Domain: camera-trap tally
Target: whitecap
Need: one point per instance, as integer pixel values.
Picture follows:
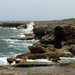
(3, 61)
(13, 28)
(22, 35)
(38, 60)
(67, 59)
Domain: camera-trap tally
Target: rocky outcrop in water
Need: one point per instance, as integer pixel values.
(18, 25)
(54, 42)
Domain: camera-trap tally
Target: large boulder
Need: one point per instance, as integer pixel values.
(41, 48)
(36, 49)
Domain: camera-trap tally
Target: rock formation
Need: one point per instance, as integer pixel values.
(18, 25)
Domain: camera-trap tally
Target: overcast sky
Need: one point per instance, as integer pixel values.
(35, 10)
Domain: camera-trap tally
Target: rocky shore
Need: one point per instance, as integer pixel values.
(55, 40)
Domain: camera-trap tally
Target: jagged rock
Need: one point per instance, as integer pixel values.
(39, 30)
(47, 39)
(47, 47)
(50, 55)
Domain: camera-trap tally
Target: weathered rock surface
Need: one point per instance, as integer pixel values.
(29, 64)
(36, 49)
(41, 48)
(39, 30)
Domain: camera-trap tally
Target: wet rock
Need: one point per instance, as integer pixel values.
(10, 60)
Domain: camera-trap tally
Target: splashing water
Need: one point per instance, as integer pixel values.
(30, 27)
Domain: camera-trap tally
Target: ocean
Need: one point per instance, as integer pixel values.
(11, 48)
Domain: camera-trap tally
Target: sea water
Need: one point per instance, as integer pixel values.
(11, 48)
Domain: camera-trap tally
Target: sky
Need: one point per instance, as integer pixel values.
(36, 10)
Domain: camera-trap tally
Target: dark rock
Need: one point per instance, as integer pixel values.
(39, 30)
(36, 49)
(69, 32)
(47, 47)
(52, 55)
(72, 49)
(10, 60)
(14, 24)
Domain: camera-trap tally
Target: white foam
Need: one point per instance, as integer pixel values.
(30, 27)
(22, 35)
(13, 28)
(3, 61)
(67, 59)
(38, 60)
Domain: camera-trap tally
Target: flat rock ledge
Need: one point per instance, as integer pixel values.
(32, 64)
(29, 36)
